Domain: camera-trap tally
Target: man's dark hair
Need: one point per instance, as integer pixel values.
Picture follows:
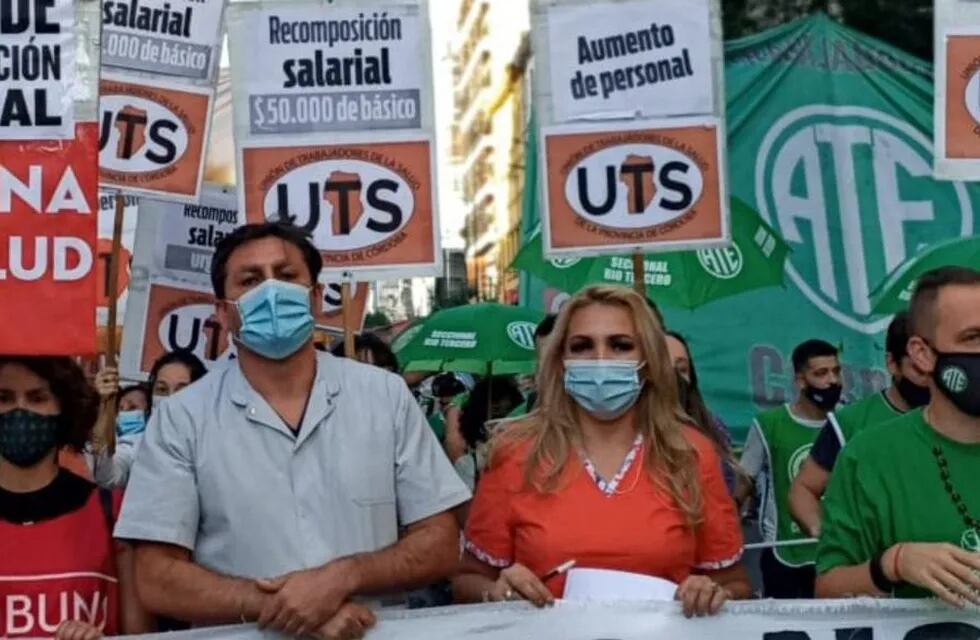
(78, 400)
(897, 339)
(285, 231)
(546, 326)
(381, 353)
(499, 392)
(922, 310)
(136, 388)
(447, 385)
(809, 350)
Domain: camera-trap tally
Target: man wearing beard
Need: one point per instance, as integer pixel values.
(778, 443)
(909, 391)
(902, 513)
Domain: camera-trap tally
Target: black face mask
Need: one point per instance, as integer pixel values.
(958, 377)
(825, 399)
(26, 437)
(915, 395)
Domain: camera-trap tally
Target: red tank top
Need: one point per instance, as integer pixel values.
(58, 570)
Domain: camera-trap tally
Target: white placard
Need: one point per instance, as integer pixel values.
(164, 37)
(346, 68)
(630, 59)
(38, 78)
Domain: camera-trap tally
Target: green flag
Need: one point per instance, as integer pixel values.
(896, 291)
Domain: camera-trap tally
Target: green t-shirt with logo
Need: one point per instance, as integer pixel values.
(887, 489)
(867, 412)
(788, 442)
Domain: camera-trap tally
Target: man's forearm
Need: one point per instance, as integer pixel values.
(428, 553)
(806, 509)
(854, 581)
(178, 588)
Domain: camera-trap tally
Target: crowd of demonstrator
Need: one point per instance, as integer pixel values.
(303, 491)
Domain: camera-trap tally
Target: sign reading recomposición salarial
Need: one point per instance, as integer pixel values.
(334, 128)
(635, 58)
(336, 70)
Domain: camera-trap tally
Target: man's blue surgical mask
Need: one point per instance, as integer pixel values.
(276, 319)
(130, 423)
(606, 389)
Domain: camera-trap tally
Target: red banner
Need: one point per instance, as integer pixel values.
(49, 206)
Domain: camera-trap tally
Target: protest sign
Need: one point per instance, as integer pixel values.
(369, 207)
(48, 186)
(630, 58)
(37, 70)
(153, 137)
(956, 110)
(769, 620)
(163, 37)
(107, 210)
(624, 181)
(334, 129)
(620, 187)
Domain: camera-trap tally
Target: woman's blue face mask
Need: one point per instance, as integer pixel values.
(605, 389)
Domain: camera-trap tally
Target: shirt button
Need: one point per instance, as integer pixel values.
(251, 411)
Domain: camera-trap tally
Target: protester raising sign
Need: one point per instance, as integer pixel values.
(37, 69)
(161, 61)
(171, 302)
(48, 177)
(624, 182)
(333, 127)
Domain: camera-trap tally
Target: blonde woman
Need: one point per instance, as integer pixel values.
(608, 472)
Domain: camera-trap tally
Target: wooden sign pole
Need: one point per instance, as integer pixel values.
(347, 302)
(639, 274)
(106, 429)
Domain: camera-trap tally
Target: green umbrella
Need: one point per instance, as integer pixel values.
(893, 295)
(685, 279)
(482, 339)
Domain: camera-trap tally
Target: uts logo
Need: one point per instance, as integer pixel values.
(522, 334)
(193, 328)
(723, 264)
(972, 97)
(349, 204)
(139, 135)
(851, 191)
(634, 186)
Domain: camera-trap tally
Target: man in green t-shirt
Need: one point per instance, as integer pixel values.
(909, 390)
(778, 443)
(902, 513)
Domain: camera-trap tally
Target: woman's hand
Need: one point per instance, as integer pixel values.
(75, 630)
(701, 596)
(948, 571)
(516, 582)
(107, 382)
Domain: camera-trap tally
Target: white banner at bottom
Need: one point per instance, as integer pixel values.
(759, 620)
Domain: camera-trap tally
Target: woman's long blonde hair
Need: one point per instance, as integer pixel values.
(553, 431)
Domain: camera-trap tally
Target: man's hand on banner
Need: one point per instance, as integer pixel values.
(518, 582)
(302, 602)
(951, 573)
(352, 622)
(701, 596)
(107, 382)
(75, 630)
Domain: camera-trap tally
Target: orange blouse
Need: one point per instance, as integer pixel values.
(627, 523)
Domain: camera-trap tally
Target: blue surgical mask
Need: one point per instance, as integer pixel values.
(606, 389)
(276, 319)
(130, 423)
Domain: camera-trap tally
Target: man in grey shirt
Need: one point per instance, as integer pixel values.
(274, 489)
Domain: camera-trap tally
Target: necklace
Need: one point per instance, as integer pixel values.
(951, 491)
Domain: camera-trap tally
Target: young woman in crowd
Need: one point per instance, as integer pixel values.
(694, 405)
(170, 373)
(608, 472)
(56, 546)
(491, 399)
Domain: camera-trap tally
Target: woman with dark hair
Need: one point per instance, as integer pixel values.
(370, 349)
(56, 527)
(491, 399)
(170, 373)
(693, 403)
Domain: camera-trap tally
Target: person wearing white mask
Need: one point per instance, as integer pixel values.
(609, 453)
(286, 487)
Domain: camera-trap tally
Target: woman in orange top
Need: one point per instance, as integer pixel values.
(607, 472)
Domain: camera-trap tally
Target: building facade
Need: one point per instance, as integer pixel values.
(490, 59)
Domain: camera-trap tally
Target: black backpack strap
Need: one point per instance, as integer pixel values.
(105, 499)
